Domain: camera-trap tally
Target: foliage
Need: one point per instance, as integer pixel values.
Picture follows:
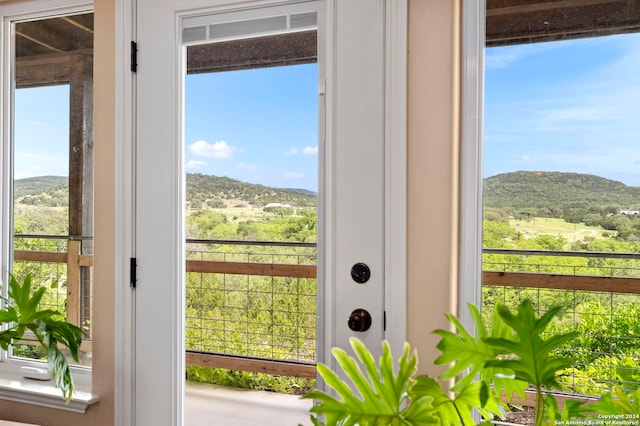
(24, 318)
(45, 191)
(556, 190)
(248, 380)
(533, 363)
(616, 408)
(214, 190)
(506, 359)
(387, 398)
(571, 411)
(221, 308)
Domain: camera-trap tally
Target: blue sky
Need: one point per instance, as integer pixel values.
(570, 106)
(41, 132)
(258, 126)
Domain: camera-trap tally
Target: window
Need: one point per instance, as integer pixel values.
(560, 175)
(47, 177)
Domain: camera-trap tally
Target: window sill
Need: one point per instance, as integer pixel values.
(44, 393)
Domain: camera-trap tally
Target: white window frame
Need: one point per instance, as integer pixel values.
(472, 105)
(396, 200)
(13, 386)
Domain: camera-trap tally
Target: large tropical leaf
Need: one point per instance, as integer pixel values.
(377, 396)
(572, 410)
(22, 313)
(620, 405)
(533, 362)
(457, 410)
(469, 354)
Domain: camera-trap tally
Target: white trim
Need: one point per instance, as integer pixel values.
(326, 202)
(13, 386)
(470, 272)
(124, 210)
(45, 394)
(396, 174)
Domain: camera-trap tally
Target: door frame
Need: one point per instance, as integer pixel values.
(395, 200)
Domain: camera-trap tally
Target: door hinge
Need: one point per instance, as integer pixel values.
(134, 56)
(133, 272)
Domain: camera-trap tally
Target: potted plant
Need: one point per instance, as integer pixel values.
(22, 318)
(490, 367)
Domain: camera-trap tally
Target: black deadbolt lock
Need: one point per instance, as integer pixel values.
(360, 320)
(360, 273)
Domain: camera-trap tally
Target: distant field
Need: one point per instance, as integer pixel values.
(551, 226)
(257, 214)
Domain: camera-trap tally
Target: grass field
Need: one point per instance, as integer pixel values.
(572, 232)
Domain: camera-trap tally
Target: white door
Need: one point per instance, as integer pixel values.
(352, 228)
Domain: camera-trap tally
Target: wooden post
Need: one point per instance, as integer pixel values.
(73, 282)
(81, 174)
(81, 144)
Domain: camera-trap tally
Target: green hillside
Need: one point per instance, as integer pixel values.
(557, 189)
(202, 191)
(215, 191)
(49, 191)
(516, 190)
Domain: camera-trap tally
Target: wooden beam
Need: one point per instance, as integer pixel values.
(562, 282)
(56, 34)
(73, 282)
(248, 268)
(537, 6)
(561, 398)
(521, 22)
(42, 70)
(85, 260)
(81, 145)
(73, 20)
(255, 365)
(261, 52)
(39, 256)
(85, 346)
(38, 41)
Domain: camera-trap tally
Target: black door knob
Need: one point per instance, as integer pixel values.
(360, 273)
(360, 320)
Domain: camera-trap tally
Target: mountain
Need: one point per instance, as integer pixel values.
(215, 191)
(557, 189)
(50, 191)
(38, 185)
(517, 189)
(202, 190)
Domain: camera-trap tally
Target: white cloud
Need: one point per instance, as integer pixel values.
(307, 150)
(248, 167)
(505, 56)
(29, 164)
(293, 175)
(310, 150)
(195, 164)
(219, 150)
(499, 59)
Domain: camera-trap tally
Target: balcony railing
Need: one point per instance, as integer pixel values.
(251, 305)
(600, 298)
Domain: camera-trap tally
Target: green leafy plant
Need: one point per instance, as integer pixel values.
(533, 362)
(25, 320)
(386, 396)
(622, 406)
(505, 360)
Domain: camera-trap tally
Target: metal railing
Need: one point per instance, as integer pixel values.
(251, 305)
(600, 298)
(64, 265)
